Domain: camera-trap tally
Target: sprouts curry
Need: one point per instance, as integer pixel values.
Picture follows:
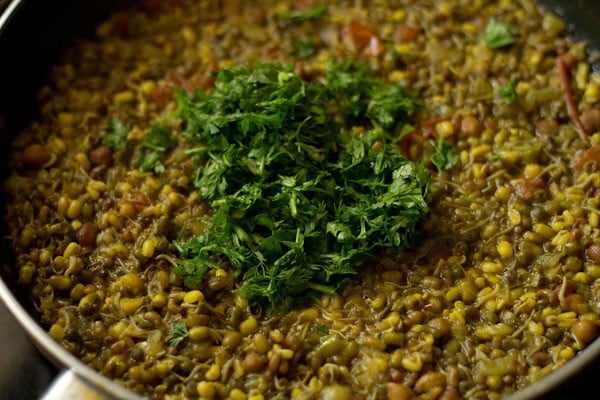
(315, 200)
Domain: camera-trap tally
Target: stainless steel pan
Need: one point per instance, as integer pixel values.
(32, 33)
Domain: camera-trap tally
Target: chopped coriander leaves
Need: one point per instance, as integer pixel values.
(445, 156)
(360, 96)
(179, 331)
(302, 195)
(498, 34)
(509, 91)
(115, 136)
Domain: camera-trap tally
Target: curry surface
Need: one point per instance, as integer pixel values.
(502, 289)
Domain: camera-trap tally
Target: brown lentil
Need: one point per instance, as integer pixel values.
(35, 155)
(585, 331)
(101, 155)
(503, 288)
(86, 234)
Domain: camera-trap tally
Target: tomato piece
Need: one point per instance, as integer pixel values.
(591, 155)
(360, 38)
(526, 188)
(408, 33)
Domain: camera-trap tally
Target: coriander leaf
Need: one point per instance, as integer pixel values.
(509, 91)
(388, 105)
(150, 162)
(305, 48)
(305, 14)
(159, 140)
(497, 156)
(322, 330)
(179, 331)
(498, 34)
(445, 156)
(353, 83)
(360, 95)
(305, 179)
(115, 136)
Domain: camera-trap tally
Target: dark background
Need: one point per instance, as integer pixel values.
(32, 41)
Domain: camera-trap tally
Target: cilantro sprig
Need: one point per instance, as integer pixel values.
(498, 34)
(115, 136)
(445, 156)
(306, 182)
(179, 331)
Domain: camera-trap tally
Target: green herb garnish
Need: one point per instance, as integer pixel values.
(150, 162)
(498, 34)
(497, 156)
(179, 331)
(305, 48)
(360, 96)
(305, 14)
(303, 196)
(115, 136)
(445, 156)
(509, 91)
(321, 330)
(158, 140)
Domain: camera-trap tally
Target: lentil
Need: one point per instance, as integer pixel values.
(35, 155)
